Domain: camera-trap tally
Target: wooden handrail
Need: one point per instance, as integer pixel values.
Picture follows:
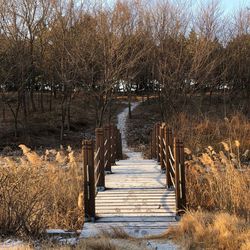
(97, 158)
(169, 152)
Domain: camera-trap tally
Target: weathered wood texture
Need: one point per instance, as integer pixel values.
(89, 180)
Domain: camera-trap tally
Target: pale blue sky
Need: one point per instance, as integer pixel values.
(227, 5)
(232, 5)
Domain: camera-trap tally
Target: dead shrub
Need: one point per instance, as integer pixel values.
(115, 233)
(38, 192)
(202, 230)
(218, 181)
(199, 131)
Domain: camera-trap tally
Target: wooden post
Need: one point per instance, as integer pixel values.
(155, 140)
(112, 144)
(107, 162)
(85, 179)
(161, 134)
(167, 156)
(120, 145)
(182, 178)
(89, 180)
(100, 158)
(116, 138)
(179, 176)
(158, 142)
(153, 143)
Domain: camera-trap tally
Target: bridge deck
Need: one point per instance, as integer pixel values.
(135, 200)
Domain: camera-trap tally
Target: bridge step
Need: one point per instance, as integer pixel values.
(133, 228)
(136, 200)
(136, 219)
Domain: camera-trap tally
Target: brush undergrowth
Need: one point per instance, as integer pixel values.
(218, 181)
(39, 192)
(198, 131)
(203, 230)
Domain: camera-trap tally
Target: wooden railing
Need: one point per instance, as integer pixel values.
(98, 156)
(169, 152)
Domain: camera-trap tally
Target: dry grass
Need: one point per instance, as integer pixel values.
(88, 244)
(218, 181)
(200, 230)
(199, 127)
(200, 131)
(96, 244)
(39, 192)
(100, 243)
(116, 233)
(19, 247)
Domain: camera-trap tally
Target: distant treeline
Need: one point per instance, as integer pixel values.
(63, 47)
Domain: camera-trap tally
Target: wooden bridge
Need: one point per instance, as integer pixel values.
(140, 196)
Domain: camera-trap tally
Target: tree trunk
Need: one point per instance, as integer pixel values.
(63, 114)
(41, 100)
(129, 107)
(4, 116)
(25, 116)
(33, 105)
(160, 105)
(110, 112)
(62, 122)
(69, 112)
(50, 99)
(100, 122)
(15, 116)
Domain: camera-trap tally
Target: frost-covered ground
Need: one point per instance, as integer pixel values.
(122, 117)
(11, 244)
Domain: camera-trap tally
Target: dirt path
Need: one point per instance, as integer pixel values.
(121, 124)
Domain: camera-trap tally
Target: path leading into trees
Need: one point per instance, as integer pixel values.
(136, 199)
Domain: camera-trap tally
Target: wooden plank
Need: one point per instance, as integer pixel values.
(136, 219)
(120, 210)
(123, 201)
(137, 192)
(136, 214)
(132, 224)
(134, 229)
(151, 191)
(146, 205)
(132, 201)
(118, 205)
(137, 196)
